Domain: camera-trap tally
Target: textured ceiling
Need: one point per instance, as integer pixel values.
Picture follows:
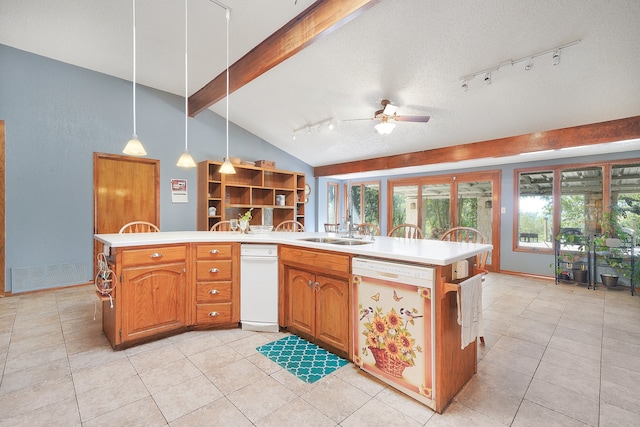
(413, 52)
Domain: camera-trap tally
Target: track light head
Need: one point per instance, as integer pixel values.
(487, 78)
(555, 59)
(529, 65)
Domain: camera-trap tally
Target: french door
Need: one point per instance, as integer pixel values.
(437, 203)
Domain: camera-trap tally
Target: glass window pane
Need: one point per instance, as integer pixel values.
(355, 203)
(625, 194)
(372, 203)
(535, 203)
(332, 203)
(580, 200)
(405, 206)
(436, 208)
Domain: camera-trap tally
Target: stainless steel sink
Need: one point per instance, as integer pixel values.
(320, 239)
(351, 242)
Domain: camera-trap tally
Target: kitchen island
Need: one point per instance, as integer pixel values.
(169, 282)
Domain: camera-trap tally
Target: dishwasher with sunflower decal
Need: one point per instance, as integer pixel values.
(394, 325)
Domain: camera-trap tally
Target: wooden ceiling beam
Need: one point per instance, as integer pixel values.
(596, 133)
(319, 19)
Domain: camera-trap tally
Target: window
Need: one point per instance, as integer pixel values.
(332, 203)
(365, 202)
(534, 209)
(572, 200)
(405, 205)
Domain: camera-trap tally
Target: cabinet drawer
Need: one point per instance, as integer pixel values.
(213, 270)
(214, 251)
(213, 292)
(154, 255)
(213, 313)
(320, 260)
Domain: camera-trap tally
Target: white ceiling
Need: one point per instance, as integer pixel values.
(413, 52)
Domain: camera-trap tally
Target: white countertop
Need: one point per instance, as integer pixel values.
(421, 251)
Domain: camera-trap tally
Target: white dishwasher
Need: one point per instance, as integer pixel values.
(259, 287)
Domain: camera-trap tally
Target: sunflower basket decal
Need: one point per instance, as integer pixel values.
(388, 339)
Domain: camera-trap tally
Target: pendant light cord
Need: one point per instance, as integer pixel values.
(228, 15)
(186, 76)
(135, 133)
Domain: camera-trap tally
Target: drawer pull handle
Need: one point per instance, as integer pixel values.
(214, 251)
(214, 292)
(214, 314)
(214, 270)
(156, 255)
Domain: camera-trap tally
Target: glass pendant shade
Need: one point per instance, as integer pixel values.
(186, 161)
(227, 167)
(134, 147)
(384, 127)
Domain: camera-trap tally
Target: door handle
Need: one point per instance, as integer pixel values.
(214, 292)
(214, 314)
(156, 255)
(214, 270)
(214, 251)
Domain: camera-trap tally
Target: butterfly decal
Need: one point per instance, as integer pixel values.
(395, 296)
(376, 297)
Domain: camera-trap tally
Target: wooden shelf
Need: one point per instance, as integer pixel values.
(250, 187)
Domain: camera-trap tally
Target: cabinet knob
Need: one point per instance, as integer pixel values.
(214, 270)
(214, 292)
(214, 251)
(214, 314)
(156, 255)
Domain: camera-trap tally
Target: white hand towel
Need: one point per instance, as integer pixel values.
(470, 309)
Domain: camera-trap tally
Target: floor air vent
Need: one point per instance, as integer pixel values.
(48, 276)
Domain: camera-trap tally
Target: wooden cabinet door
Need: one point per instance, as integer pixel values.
(301, 300)
(332, 311)
(154, 300)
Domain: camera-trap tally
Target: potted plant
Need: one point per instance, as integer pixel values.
(609, 246)
(574, 248)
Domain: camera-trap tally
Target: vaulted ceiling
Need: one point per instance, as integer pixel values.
(412, 52)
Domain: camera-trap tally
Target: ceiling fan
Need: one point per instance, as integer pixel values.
(388, 114)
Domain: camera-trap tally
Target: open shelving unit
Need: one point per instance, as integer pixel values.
(250, 187)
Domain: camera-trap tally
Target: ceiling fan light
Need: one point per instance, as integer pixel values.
(134, 147)
(384, 127)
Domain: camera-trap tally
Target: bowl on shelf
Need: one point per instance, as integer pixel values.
(235, 160)
(260, 228)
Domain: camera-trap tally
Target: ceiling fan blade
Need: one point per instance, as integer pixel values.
(355, 120)
(421, 119)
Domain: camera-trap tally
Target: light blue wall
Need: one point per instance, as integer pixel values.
(56, 116)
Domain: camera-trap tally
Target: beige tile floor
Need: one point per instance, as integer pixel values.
(555, 356)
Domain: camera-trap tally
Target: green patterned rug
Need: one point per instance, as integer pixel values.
(303, 359)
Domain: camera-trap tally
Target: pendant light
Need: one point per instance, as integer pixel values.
(134, 146)
(185, 160)
(227, 167)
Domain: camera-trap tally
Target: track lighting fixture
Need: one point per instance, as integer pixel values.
(317, 126)
(529, 65)
(488, 72)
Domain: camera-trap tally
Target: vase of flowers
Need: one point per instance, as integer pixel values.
(244, 221)
(389, 341)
